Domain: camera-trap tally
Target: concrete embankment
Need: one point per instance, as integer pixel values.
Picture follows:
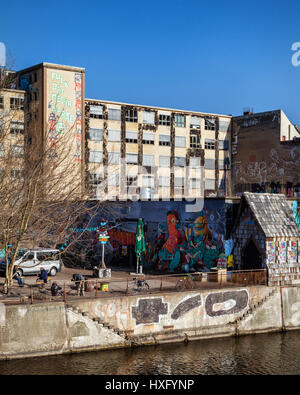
(112, 322)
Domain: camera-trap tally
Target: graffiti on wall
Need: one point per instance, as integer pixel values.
(179, 246)
(149, 310)
(226, 302)
(185, 306)
(280, 165)
(78, 120)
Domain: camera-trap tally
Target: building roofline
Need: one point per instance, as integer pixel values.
(158, 108)
(52, 66)
(12, 90)
(257, 113)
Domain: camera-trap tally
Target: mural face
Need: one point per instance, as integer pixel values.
(193, 245)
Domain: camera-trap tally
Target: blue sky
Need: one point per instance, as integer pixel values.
(212, 56)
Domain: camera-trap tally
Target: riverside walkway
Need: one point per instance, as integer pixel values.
(121, 283)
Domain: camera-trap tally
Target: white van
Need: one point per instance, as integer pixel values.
(32, 261)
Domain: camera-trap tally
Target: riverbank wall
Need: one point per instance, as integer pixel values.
(109, 322)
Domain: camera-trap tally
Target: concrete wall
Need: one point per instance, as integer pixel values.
(111, 322)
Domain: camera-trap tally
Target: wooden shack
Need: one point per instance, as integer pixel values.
(266, 235)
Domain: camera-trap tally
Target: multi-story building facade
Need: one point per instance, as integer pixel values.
(162, 153)
(12, 134)
(122, 150)
(265, 154)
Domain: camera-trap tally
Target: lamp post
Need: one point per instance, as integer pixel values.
(103, 238)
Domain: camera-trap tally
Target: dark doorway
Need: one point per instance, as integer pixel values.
(251, 257)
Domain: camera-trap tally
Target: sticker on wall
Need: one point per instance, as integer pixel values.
(282, 251)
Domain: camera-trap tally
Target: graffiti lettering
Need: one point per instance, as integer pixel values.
(185, 306)
(226, 302)
(148, 311)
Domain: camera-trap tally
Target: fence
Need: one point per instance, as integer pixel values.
(95, 288)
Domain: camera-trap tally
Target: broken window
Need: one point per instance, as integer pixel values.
(164, 139)
(165, 120)
(17, 151)
(132, 181)
(96, 134)
(179, 120)
(95, 178)
(16, 127)
(17, 174)
(131, 115)
(148, 138)
(114, 114)
(195, 122)
(131, 137)
(209, 144)
(96, 111)
(16, 103)
(210, 124)
(195, 140)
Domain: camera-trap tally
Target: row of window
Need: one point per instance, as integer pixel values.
(148, 181)
(114, 158)
(16, 151)
(16, 103)
(164, 139)
(148, 117)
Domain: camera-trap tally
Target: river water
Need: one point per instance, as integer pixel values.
(263, 354)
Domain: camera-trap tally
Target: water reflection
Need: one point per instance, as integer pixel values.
(264, 354)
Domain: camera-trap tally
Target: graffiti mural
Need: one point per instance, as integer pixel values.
(186, 245)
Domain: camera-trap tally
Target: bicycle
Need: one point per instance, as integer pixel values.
(140, 285)
(185, 282)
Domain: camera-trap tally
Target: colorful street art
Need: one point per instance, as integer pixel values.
(292, 251)
(282, 251)
(186, 247)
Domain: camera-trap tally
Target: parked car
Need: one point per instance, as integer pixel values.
(31, 262)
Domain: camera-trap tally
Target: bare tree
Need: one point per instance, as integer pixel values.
(42, 190)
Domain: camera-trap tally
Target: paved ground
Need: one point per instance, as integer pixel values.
(120, 283)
